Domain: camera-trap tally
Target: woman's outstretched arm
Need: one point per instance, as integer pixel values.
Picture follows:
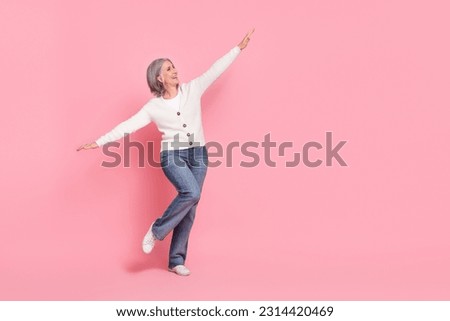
(132, 124)
(219, 66)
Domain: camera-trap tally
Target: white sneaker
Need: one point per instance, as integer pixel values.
(149, 241)
(180, 270)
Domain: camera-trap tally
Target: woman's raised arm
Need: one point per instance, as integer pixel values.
(219, 66)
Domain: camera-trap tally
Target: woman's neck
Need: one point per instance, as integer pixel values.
(170, 92)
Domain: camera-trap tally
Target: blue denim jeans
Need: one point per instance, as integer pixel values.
(186, 170)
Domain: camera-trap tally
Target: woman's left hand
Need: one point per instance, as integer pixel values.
(246, 39)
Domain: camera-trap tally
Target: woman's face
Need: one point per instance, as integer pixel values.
(169, 75)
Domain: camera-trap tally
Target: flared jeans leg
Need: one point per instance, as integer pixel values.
(186, 170)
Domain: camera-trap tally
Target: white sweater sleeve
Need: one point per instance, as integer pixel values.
(135, 122)
(218, 67)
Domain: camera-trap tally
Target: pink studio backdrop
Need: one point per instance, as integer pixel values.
(375, 74)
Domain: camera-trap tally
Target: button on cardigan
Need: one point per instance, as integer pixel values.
(181, 129)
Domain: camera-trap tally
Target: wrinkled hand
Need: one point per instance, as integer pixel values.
(246, 39)
(88, 146)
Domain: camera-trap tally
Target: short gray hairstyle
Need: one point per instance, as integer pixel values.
(153, 71)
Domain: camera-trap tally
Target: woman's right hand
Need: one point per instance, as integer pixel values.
(88, 146)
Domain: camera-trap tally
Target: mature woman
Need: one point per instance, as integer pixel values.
(176, 111)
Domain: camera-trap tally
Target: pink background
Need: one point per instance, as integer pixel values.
(375, 74)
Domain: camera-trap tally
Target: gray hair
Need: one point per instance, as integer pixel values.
(153, 71)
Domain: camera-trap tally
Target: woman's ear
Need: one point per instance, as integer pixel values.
(160, 79)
